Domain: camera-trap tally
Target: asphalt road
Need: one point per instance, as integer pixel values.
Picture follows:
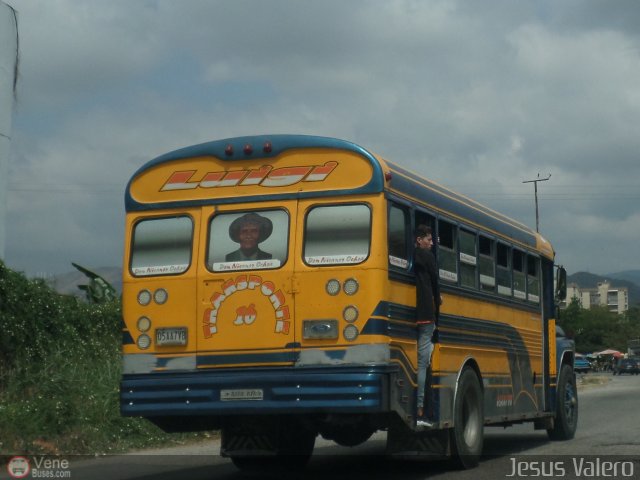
(607, 444)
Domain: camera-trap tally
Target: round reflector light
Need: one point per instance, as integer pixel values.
(144, 341)
(160, 296)
(350, 333)
(144, 324)
(144, 297)
(333, 287)
(351, 286)
(350, 314)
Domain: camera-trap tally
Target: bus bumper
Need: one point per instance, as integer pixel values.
(283, 391)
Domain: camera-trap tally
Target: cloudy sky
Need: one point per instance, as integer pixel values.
(478, 96)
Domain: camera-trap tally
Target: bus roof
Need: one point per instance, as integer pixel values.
(439, 198)
(326, 167)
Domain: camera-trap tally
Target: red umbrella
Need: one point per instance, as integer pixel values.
(609, 351)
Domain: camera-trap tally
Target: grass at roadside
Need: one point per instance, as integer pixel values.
(60, 373)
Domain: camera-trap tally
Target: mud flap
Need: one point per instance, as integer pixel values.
(260, 437)
(403, 443)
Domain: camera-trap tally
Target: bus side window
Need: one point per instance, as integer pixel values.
(423, 218)
(397, 236)
(468, 259)
(533, 279)
(487, 264)
(504, 270)
(519, 283)
(447, 262)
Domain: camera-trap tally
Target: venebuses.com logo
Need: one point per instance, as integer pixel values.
(38, 467)
(18, 467)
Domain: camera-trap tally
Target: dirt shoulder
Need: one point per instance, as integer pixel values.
(587, 380)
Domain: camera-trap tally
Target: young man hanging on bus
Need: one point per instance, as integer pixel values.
(427, 307)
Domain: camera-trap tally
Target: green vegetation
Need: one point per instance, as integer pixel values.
(597, 329)
(59, 374)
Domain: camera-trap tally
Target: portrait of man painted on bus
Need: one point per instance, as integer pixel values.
(248, 240)
(249, 231)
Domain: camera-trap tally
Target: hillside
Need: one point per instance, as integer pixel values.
(67, 283)
(629, 275)
(590, 280)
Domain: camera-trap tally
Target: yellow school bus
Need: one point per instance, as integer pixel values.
(269, 292)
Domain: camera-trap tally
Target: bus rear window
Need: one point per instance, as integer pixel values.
(244, 240)
(162, 246)
(337, 235)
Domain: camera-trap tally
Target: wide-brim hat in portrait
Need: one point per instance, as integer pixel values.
(264, 224)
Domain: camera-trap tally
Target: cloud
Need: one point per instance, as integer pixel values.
(478, 97)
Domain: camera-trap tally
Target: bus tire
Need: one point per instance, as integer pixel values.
(566, 420)
(467, 434)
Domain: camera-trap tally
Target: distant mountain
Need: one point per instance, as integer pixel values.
(590, 280)
(629, 275)
(67, 283)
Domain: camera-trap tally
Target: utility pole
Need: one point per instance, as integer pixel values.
(535, 189)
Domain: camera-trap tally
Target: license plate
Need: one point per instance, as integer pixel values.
(241, 394)
(171, 336)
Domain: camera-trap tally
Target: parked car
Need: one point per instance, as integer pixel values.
(581, 364)
(627, 365)
(564, 346)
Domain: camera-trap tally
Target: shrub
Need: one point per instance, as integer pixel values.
(60, 373)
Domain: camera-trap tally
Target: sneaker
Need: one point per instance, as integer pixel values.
(424, 423)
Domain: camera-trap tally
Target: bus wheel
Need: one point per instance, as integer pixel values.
(566, 421)
(467, 434)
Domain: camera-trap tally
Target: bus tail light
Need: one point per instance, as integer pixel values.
(333, 287)
(144, 341)
(350, 333)
(351, 286)
(144, 324)
(160, 296)
(350, 314)
(144, 297)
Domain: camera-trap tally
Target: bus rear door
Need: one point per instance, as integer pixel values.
(246, 300)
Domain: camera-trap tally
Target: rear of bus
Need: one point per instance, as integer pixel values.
(277, 343)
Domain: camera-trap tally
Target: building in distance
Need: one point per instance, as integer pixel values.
(615, 299)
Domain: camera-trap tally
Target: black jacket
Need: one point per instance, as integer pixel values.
(427, 288)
